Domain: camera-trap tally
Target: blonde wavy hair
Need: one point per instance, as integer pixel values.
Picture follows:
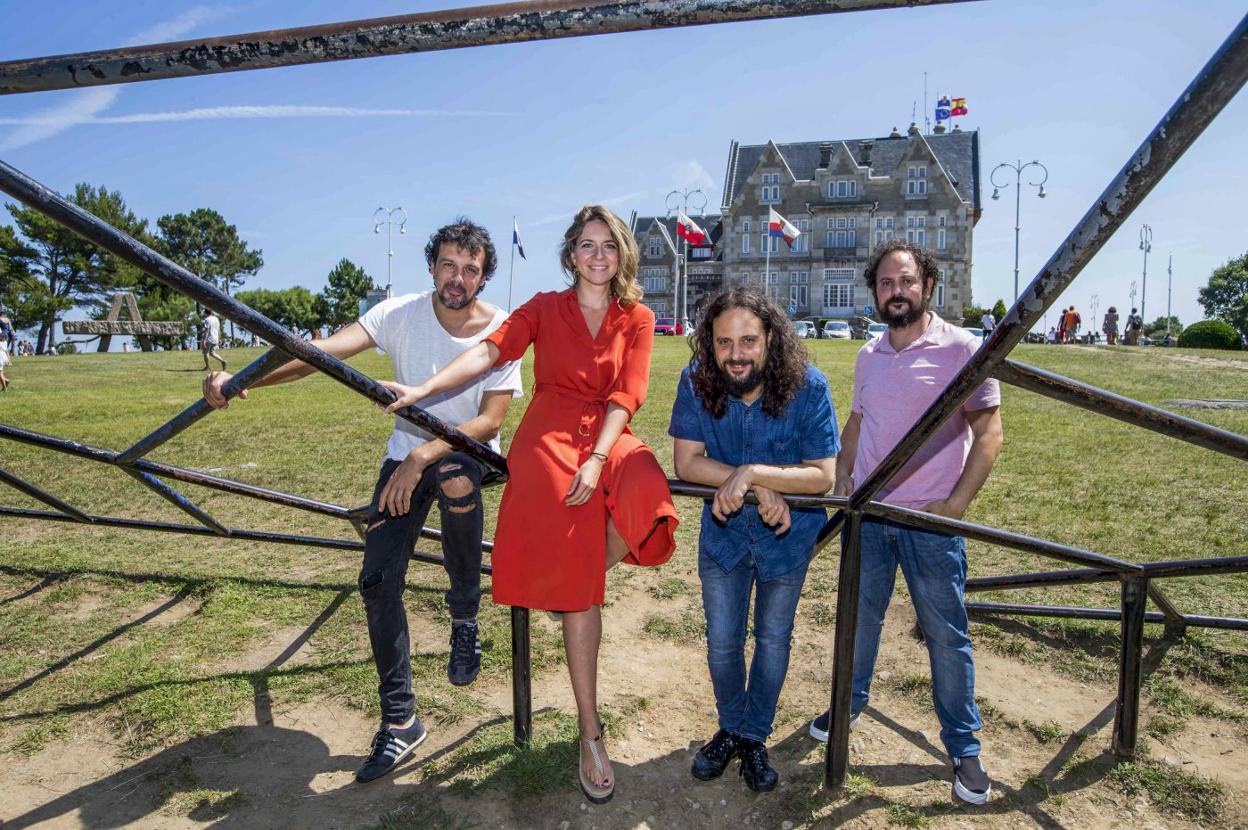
(624, 284)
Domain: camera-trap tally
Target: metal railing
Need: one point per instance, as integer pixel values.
(1213, 87)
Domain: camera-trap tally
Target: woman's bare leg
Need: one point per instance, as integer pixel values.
(582, 632)
(617, 548)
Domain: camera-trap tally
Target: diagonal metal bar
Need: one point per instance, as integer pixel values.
(996, 536)
(1213, 87)
(1173, 615)
(178, 500)
(41, 495)
(1103, 402)
(404, 34)
(252, 372)
(235, 533)
(239, 488)
(99, 232)
(1079, 576)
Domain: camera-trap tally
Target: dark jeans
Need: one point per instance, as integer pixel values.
(388, 544)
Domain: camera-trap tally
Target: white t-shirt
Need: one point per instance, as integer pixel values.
(407, 329)
(213, 328)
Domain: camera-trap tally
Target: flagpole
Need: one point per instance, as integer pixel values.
(511, 272)
(767, 251)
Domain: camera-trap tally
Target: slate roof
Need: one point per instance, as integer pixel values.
(957, 152)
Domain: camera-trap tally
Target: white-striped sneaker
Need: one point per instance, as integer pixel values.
(390, 746)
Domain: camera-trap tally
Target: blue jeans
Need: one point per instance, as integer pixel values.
(934, 566)
(747, 704)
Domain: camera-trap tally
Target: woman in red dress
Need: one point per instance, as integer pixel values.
(566, 515)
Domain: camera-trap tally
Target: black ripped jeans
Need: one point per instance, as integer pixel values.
(388, 544)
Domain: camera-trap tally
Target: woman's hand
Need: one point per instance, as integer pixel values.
(584, 482)
(407, 395)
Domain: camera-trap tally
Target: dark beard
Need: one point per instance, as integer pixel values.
(743, 386)
(910, 316)
(456, 305)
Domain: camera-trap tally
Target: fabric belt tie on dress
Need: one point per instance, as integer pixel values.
(594, 405)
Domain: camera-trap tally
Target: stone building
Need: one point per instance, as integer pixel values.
(845, 197)
(660, 255)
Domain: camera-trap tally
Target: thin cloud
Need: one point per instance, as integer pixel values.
(83, 106)
(256, 111)
(610, 201)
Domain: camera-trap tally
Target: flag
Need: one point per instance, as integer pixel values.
(958, 107)
(942, 113)
(779, 226)
(515, 239)
(943, 102)
(688, 230)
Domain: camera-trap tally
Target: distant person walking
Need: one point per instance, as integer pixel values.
(987, 323)
(1110, 326)
(1134, 324)
(7, 336)
(1061, 327)
(1071, 322)
(4, 361)
(210, 338)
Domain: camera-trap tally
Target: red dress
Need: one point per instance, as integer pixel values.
(547, 555)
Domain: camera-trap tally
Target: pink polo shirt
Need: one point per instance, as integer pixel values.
(892, 389)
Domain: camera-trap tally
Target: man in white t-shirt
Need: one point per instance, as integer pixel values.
(210, 338)
(422, 333)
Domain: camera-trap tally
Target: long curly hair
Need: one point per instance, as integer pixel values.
(624, 284)
(784, 370)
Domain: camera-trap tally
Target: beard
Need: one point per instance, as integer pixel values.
(739, 387)
(909, 316)
(454, 303)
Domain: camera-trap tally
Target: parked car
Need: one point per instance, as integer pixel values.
(665, 325)
(876, 329)
(858, 327)
(837, 330)
(805, 329)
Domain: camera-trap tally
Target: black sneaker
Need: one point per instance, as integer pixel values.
(713, 758)
(760, 776)
(970, 780)
(819, 726)
(390, 747)
(465, 662)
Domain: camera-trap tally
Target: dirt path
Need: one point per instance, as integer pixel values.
(297, 770)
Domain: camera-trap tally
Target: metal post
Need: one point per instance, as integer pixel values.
(1146, 245)
(1127, 707)
(836, 761)
(679, 200)
(385, 216)
(1018, 169)
(521, 677)
(1169, 291)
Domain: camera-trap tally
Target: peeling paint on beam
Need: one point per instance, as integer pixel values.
(404, 34)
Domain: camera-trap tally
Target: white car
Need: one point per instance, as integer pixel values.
(837, 330)
(875, 330)
(804, 328)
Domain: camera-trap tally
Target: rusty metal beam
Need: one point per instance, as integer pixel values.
(1214, 86)
(1102, 402)
(403, 34)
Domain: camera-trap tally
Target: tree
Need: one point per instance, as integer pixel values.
(1157, 328)
(1226, 295)
(295, 308)
(971, 314)
(999, 310)
(340, 301)
(205, 244)
(57, 269)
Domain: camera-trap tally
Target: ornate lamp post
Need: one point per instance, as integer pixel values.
(1146, 245)
(387, 217)
(1018, 168)
(679, 200)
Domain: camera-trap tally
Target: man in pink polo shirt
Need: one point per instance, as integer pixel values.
(896, 378)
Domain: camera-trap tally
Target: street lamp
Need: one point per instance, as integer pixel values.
(1096, 304)
(1146, 245)
(1018, 192)
(679, 200)
(386, 216)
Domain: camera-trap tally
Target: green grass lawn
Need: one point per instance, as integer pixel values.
(1065, 474)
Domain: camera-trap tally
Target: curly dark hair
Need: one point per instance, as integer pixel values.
(922, 258)
(784, 370)
(468, 235)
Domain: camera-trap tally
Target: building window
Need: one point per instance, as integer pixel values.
(745, 226)
(918, 237)
(653, 285)
(940, 239)
(842, 189)
(916, 187)
(837, 294)
(745, 277)
(916, 172)
(799, 277)
(801, 245)
(940, 221)
(888, 223)
(655, 247)
(770, 243)
(940, 291)
(659, 307)
(771, 188)
(745, 241)
(799, 295)
(701, 252)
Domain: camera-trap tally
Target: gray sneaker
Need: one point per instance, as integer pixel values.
(819, 726)
(970, 780)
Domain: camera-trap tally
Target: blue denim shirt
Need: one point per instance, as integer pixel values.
(806, 431)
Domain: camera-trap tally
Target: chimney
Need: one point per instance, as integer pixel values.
(864, 150)
(825, 155)
(957, 128)
(914, 129)
(939, 128)
(894, 133)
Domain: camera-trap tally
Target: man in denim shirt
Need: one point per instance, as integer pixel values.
(751, 414)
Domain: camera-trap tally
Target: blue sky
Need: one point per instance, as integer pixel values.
(300, 158)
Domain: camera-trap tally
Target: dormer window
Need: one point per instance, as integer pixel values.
(654, 246)
(770, 191)
(916, 180)
(842, 189)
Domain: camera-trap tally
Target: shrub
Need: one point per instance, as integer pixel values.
(1210, 334)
